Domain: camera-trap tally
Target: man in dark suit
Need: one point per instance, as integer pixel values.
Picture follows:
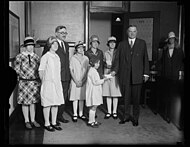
(132, 68)
(63, 53)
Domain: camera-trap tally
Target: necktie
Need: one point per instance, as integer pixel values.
(62, 45)
(131, 44)
(29, 59)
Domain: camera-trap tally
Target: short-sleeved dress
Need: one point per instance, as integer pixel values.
(94, 88)
(51, 88)
(29, 84)
(110, 87)
(79, 68)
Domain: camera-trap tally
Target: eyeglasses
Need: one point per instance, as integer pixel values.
(63, 33)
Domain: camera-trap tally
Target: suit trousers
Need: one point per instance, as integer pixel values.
(61, 108)
(132, 94)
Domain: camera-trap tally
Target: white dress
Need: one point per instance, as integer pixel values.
(51, 88)
(110, 87)
(79, 68)
(94, 88)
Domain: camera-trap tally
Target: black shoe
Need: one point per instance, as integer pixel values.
(49, 128)
(97, 123)
(58, 123)
(124, 121)
(93, 125)
(28, 125)
(114, 116)
(35, 124)
(168, 120)
(63, 120)
(135, 123)
(74, 118)
(107, 116)
(56, 127)
(82, 117)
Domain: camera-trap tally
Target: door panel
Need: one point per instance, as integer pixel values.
(148, 25)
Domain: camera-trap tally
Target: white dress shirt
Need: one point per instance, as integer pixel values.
(133, 40)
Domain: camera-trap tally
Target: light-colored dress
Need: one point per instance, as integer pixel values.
(93, 88)
(29, 84)
(110, 87)
(51, 88)
(79, 68)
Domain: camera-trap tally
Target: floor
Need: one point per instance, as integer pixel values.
(152, 129)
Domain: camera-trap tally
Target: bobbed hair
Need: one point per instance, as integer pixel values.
(93, 61)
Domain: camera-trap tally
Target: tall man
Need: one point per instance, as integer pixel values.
(132, 68)
(63, 53)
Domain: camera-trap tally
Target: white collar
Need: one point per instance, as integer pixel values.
(28, 53)
(60, 41)
(129, 39)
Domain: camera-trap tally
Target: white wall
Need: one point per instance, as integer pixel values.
(100, 25)
(47, 15)
(18, 9)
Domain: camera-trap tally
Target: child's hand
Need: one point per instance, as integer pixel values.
(78, 83)
(113, 73)
(105, 78)
(108, 66)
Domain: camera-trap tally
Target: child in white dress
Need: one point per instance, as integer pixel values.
(111, 89)
(78, 68)
(51, 88)
(94, 91)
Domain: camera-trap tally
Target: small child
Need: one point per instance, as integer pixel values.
(94, 91)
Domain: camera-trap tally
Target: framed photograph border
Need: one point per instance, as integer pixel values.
(96, 6)
(14, 35)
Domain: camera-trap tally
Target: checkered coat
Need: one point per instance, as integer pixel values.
(28, 85)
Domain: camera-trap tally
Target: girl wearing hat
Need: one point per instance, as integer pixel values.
(111, 89)
(78, 69)
(51, 89)
(26, 66)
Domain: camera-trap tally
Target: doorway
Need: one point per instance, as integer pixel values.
(115, 24)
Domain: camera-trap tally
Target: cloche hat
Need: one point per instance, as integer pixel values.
(94, 38)
(29, 41)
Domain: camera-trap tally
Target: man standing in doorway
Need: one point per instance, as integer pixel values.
(63, 53)
(132, 68)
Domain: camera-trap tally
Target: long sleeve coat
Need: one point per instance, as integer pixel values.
(135, 64)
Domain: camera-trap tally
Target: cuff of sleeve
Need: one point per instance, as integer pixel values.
(146, 75)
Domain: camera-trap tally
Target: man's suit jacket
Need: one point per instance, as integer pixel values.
(64, 59)
(126, 63)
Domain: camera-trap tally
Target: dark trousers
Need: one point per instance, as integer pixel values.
(61, 108)
(132, 94)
